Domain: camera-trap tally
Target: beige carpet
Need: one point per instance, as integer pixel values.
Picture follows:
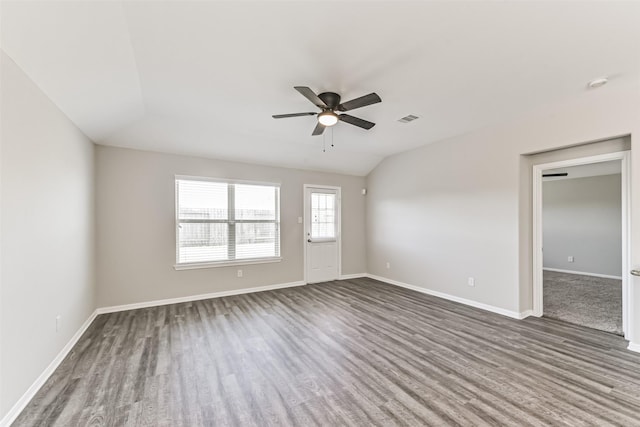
(584, 300)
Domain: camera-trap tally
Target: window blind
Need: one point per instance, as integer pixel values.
(226, 222)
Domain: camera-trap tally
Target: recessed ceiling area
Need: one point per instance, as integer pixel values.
(204, 78)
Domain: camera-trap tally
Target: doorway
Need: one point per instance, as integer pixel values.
(322, 233)
(583, 274)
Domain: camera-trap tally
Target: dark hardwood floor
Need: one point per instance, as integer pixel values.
(356, 352)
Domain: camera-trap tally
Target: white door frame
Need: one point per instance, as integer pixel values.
(627, 297)
(307, 216)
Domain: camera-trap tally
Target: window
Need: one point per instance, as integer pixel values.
(323, 216)
(221, 222)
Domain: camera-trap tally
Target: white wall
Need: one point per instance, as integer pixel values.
(582, 218)
(461, 207)
(136, 226)
(47, 228)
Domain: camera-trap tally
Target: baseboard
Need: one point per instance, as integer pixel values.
(582, 273)
(487, 307)
(146, 304)
(526, 314)
(634, 347)
(18, 407)
(351, 276)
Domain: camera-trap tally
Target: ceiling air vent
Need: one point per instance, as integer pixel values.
(407, 119)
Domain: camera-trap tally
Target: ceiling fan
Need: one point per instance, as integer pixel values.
(329, 103)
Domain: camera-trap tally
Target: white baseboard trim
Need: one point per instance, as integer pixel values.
(583, 273)
(487, 307)
(634, 347)
(526, 314)
(351, 276)
(146, 304)
(17, 408)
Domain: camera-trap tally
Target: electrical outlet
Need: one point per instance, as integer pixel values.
(570, 259)
(388, 265)
(471, 281)
(239, 273)
(58, 322)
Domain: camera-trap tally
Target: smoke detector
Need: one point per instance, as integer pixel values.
(593, 84)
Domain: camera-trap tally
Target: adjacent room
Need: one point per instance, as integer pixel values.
(582, 242)
(304, 213)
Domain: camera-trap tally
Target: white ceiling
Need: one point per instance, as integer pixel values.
(204, 78)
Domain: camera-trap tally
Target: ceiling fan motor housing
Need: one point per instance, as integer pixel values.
(331, 99)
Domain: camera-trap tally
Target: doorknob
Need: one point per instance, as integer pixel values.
(635, 272)
(309, 240)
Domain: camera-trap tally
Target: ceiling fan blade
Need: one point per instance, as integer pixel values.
(318, 129)
(363, 101)
(311, 96)
(284, 116)
(364, 124)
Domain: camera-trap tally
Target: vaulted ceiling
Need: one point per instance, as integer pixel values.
(204, 78)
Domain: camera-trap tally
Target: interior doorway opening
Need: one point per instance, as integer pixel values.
(582, 245)
(581, 241)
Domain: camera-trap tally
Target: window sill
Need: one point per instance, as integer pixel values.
(214, 264)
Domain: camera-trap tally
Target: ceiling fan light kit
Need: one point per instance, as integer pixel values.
(329, 103)
(327, 118)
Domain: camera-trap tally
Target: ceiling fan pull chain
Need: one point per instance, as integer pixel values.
(332, 137)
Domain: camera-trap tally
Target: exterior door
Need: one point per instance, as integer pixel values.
(322, 233)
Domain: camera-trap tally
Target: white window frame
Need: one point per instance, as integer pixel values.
(231, 221)
(335, 192)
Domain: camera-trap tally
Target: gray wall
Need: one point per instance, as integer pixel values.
(47, 231)
(136, 226)
(445, 212)
(582, 218)
(460, 207)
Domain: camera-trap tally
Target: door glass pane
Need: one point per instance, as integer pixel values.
(323, 216)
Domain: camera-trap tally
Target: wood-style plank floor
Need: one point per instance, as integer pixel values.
(356, 353)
